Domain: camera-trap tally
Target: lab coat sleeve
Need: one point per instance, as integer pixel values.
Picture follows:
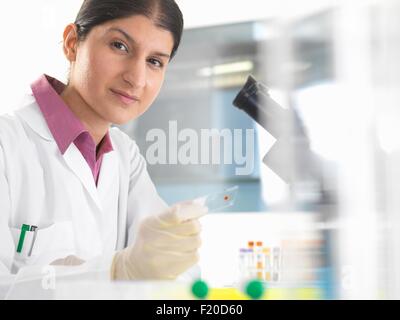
(143, 198)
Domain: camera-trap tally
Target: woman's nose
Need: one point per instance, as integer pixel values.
(136, 74)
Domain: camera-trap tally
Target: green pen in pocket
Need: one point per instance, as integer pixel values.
(24, 229)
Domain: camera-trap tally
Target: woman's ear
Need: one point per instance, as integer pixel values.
(70, 41)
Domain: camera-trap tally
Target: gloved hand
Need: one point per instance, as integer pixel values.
(68, 261)
(166, 245)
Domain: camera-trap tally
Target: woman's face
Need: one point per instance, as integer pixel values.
(120, 66)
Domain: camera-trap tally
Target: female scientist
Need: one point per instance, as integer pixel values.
(74, 190)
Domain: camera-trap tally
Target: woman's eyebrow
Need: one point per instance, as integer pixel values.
(132, 41)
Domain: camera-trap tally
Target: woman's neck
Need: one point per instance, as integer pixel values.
(92, 121)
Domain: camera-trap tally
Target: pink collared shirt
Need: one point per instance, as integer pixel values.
(65, 127)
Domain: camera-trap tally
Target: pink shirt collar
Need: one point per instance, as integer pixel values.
(63, 124)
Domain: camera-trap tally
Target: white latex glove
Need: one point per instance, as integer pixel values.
(166, 245)
(68, 261)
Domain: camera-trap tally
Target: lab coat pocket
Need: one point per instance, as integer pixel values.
(49, 244)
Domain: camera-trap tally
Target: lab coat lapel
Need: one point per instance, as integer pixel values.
(79, 166)
(109, 176)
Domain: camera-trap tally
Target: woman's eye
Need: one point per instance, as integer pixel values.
(119, 45)
(156, 63)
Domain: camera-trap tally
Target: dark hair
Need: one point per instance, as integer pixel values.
(165, 14)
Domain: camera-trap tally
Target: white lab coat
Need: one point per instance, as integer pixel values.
(39, 186)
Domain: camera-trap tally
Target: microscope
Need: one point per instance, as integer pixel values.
(290, 157)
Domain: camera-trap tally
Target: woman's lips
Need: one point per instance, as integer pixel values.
(125, 97)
